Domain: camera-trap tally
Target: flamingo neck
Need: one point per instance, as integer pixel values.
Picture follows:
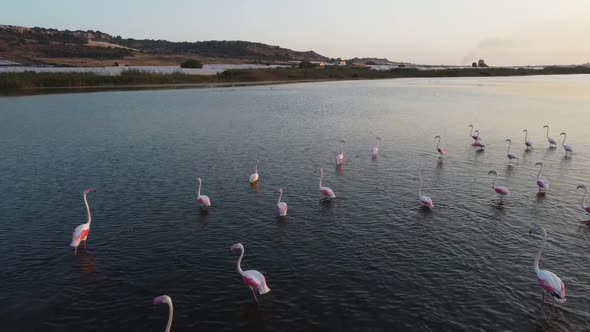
(584, 199)
(563, 142)
(256, 167)
(420, 187)
(471, 132)
(437, 143)
(321, 178)
(239, 264)
(536, 264)
(494, 183)
(170, 314)
(526, 135)
(539, 174)
(547, 131)
(199, 190)
(342, 149)
(87, 210)
(509, 143)
(280, 195)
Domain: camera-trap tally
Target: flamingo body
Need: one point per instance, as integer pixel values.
(375, 150)
(586, 208)
(543, 184)
(326, 191)
(254, 176)
(282, 206)
(426, 201)
(501, 190)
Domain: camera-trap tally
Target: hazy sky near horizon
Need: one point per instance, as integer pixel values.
(503, 32)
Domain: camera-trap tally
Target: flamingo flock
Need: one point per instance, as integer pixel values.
(548, 281)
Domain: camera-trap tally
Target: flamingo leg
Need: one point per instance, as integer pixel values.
(254, 293)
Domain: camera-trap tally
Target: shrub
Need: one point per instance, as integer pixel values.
(191, 64)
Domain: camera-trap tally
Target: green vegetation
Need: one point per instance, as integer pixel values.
(191, 64)
(31, 80)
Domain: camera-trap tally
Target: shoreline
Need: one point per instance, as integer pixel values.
(29, 83)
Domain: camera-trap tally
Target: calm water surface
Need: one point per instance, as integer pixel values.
(371, 260)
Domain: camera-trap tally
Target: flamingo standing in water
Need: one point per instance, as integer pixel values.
(542, 183)
(500, 190)
(566, 147)
(326, 191)
(441, 151)
(166, 299)
(475, 137)
(282, 206)
(254, 279)
(552, 142)
(510, 155)
(479, 144)
(340, 157)
(254, 176)
(203, 200)
(425, 201)
(584, 206)
(81, 232)
(375, 151)
(529, 144)
(547, 280)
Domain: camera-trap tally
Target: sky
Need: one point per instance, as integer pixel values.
(452, 32)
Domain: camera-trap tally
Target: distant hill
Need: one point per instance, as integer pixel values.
(96, 48)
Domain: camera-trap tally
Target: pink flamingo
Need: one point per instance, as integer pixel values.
(254, 176)
(166, 299)
(81, 232)
(547, 280)
(340, 157)
(480, 144)
(425, 201)
(566, 147)
(203, 200)
(441, 151)
(584, 206)
(475, 137)
(282, 206)
(500, 190)
(326, 191)
(529, 144)
(254, 279)
(542, 183)
(510, 155)
(552, 142)
(375, 151)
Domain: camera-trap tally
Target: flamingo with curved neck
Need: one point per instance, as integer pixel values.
(542, 183)
(529, 144)
(81, 232)
(500, 190)
(203, 200)
(552, 142)
(441, 151)
(584, 206)
(254, 176)
(566, 147)
(424, 200)
(510, 155)
(282, 206)
(375, 151)
(475, 137)
(326, 191)
(167, 300)
(254, 279)
(549, 282)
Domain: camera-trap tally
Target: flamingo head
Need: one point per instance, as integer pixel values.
(535, 228)
(539, 164)
(562, 134)
(545, 126)
(236, 246)
(435, 137)
(470, 126)
(525, 131)
(163, 299)
(581, 187)
(378, 138)
(508, 140)
(89, 190)
(279, 191)
(493, 172)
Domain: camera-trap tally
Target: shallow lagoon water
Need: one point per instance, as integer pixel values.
(371, 260)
